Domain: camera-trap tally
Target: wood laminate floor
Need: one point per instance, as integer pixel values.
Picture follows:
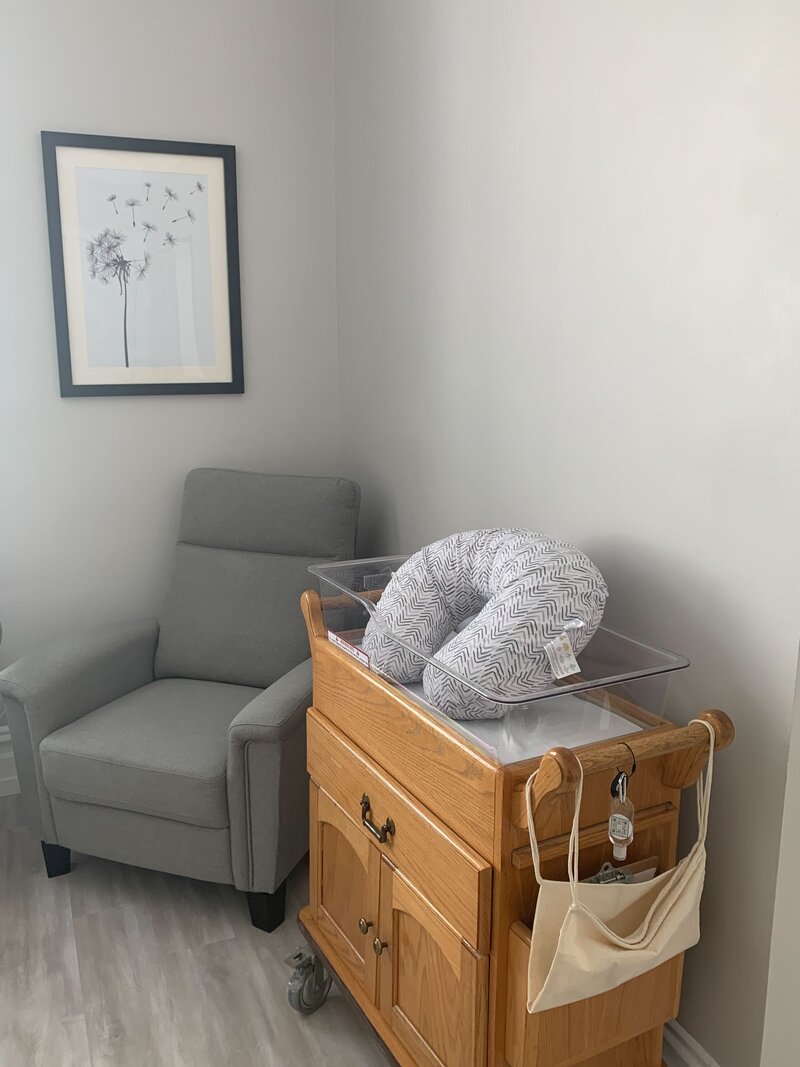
(115, 965)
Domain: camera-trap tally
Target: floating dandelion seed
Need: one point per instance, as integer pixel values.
(133, 203)
(190, 215)
(169, 240)
(148, 186)
(143, 267)
(198, 188)
(149, 227)
(111, 198)
(170, 194)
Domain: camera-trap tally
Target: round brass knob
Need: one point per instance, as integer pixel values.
(363, 925)
(378, 946)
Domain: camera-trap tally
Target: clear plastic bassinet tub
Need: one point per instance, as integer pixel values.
(621, 687)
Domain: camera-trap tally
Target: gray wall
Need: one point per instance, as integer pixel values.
(567, 250)
(89, 488)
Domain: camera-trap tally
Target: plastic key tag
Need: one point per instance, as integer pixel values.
(620, 823)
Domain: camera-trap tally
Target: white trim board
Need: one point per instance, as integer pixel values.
(681, 1049)
(8, 772)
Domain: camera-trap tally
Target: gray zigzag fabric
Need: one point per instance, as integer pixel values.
(524, 589)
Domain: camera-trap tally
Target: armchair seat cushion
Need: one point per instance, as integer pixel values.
(160, 750)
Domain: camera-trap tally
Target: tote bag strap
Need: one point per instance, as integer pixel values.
(573, 853)
(703, 803)
(704, 786)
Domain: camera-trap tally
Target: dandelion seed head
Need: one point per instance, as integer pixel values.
(105, 258)
(133, 202)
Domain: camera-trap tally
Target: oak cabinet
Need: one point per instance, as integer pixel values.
(422, 893)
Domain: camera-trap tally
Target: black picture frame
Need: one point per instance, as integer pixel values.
(51, 141)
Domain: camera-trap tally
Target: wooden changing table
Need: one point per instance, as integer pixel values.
(421, 885)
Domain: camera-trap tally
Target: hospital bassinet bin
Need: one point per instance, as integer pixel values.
(422, 893)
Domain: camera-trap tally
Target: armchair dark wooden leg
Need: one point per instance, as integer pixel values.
(56, 859)
(267, 910)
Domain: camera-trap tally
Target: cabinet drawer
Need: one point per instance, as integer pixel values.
(628, 1017)
(454, 878)
(456, 783)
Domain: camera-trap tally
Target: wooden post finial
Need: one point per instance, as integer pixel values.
(311, 606)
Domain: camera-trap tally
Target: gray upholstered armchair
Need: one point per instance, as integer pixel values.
(179, 743)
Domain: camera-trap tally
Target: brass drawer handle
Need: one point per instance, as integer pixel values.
(364, 925)
(380, 833)
(378, 946)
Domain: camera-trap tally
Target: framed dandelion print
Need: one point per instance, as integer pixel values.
(144, 254)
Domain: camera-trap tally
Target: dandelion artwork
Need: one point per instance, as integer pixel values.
(147, 298)
(152, 327)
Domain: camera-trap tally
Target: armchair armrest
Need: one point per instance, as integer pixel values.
(57, 685)
(268, 784)
(277, 712)
(60, 683)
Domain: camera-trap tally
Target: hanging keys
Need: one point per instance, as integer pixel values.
(620, 824)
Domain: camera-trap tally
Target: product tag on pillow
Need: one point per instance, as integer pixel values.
(562, 658)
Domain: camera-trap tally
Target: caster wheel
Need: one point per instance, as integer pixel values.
(309, 985)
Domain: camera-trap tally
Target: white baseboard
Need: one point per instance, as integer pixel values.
(681, 1049)
(8, 772)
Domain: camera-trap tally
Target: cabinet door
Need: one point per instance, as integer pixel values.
(433, 986)
(345, 876)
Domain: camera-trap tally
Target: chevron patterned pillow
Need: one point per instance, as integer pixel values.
(524, 590)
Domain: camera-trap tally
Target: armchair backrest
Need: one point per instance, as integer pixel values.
(232, 610)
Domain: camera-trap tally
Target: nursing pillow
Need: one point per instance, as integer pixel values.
(524, 590)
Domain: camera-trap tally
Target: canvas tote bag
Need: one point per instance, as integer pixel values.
(589, 938)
